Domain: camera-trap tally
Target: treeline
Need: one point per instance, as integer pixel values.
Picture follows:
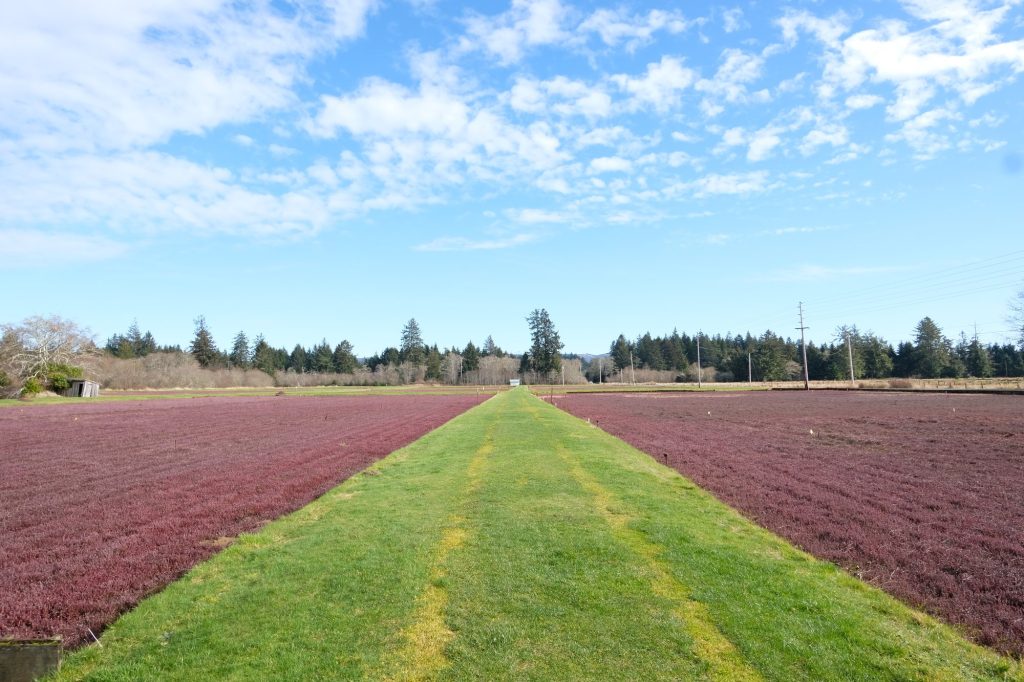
(413, 360)
(770, 357)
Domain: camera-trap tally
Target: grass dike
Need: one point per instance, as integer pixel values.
(518, 542)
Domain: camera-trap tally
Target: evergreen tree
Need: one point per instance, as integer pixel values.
(620, 353)
(770, 358)
(147, 346)
(492, 349)
(649, 353)
(673, 353)
(433, 364)
(344, 360)
(470, 358)
(297, 361)
(931, 350)
(203, 348)
(134, 338)
(263, 356)
(322, 359)
(524, 363)
(545, 351)
(239, 355)
(391, 356)
(412, 343)
(979, 364)
(878, 362)
(903, 360)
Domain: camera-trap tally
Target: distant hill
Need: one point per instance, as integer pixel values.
(590, 357)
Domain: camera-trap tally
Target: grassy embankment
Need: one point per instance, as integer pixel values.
(519, 542)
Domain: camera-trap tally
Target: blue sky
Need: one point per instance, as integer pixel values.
(315, 169)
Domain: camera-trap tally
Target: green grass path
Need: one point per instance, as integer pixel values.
(517, 542)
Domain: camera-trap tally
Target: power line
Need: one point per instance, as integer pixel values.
(897, 302)
(957, 273)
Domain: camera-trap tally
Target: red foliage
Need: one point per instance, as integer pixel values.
(922, 495)
(104, 503)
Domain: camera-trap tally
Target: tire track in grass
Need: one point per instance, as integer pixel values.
(422, 655)
(713, 648)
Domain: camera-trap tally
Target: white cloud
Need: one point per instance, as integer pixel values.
(660, 87)
(533, 216)
(610, 164)
(857, 102)
(683, 137)
(84, 78)
(958, 50)
(243, 140)
(149, 192)
(736, 71)
(280, 150)
(559, 95)
(615, 26)
(732, 183)
(528, 23)
(762, 143)
(920, 133)
(33, 248)
(383, 108)
(833, 134)
(465, 244)
(732, 20)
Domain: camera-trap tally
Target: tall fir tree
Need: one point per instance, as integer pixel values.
(491, 349)
(239, 355)
(931, 350)
(203, 349)
(298, 361)
(344, 360)
(470, 358)
(620, 352)
(978, 362)
(263, 358)
(412, 343)
(322, 359)
(546, 346)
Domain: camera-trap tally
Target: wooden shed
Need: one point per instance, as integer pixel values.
(82, 388)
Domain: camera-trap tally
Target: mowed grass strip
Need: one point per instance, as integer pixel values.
(518, 542)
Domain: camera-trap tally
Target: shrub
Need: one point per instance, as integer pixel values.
(31, 387)
(58, 376)
(4, 379)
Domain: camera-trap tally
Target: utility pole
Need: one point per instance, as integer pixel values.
(750, 370)
(700, 381)
(803, 346)
(632, 372)
(849, 349)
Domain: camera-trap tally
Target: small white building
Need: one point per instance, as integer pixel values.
(82, 388)
(513, 382)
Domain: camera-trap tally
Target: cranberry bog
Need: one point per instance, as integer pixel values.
(921, 495)
(105, 503)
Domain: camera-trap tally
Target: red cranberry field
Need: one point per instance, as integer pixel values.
(103, 503)
(921, 495)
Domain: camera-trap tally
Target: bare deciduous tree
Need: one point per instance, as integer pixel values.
(39, 342)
